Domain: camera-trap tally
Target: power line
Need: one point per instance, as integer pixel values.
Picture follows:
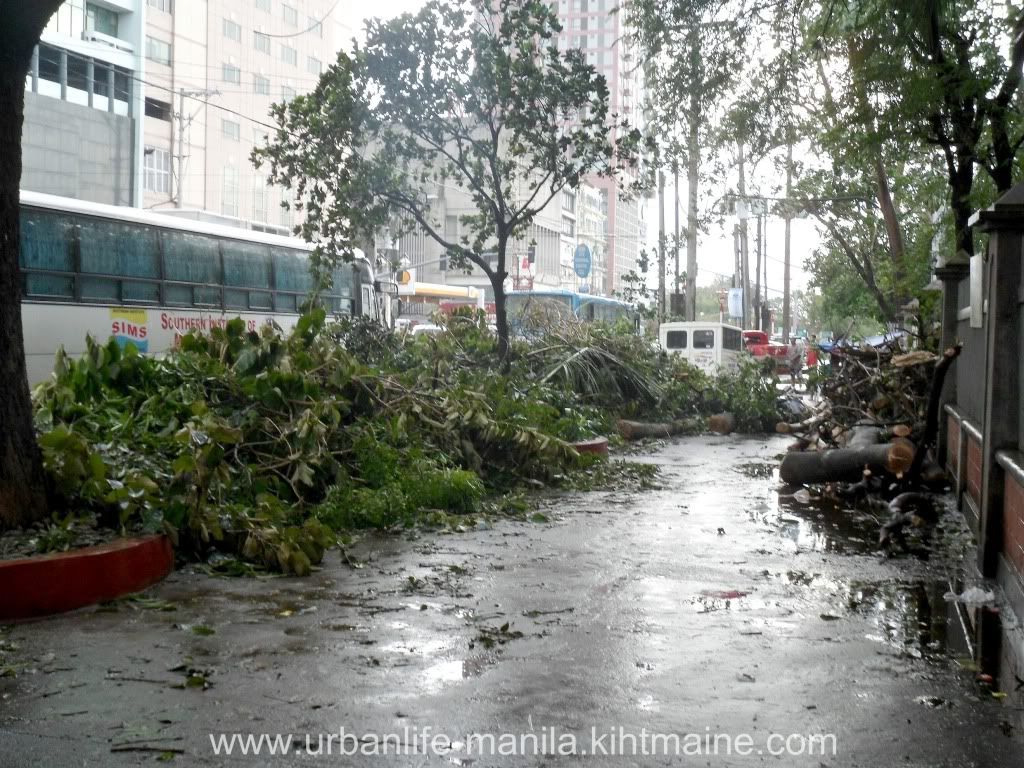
(311, 27)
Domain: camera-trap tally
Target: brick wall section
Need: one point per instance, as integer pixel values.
(952, 445)
(974, 470)
(1013, 523)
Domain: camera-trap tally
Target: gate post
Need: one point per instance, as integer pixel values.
(1004, 220)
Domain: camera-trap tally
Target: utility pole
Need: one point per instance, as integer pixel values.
(757, 277)
(675, 171)
(693, 181)
(693, 172)
(744, 253)
(766, 311)
(184, 122)
(661, 246)
(785, 259)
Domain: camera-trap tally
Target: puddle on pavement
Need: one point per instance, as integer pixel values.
(817, 525)
(910, 617)
(824, 525)
(757, 468)
(446, 672)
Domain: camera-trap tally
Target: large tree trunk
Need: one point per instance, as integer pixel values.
(836, 464)
(22, 481)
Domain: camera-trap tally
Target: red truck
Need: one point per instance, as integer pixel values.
(758, 344)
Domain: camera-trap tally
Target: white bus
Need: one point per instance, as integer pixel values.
(712, 346)
(148, 278)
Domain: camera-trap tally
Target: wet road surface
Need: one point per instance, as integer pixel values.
(708, 609)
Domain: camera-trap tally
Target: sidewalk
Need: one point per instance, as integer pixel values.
(708, 606)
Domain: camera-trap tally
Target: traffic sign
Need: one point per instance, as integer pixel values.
(581, 260)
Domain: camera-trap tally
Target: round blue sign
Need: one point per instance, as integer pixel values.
(581, 260)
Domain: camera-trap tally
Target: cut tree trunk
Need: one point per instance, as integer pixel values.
(722, 423)
(637, 430)
(841, 464)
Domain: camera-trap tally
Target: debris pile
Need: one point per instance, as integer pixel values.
(268, 445)
(870, 436)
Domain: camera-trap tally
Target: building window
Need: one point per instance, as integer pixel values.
(568, 227)
(262, 42)
(161, 110)
(231, 129)
(232, 31)
(313, 65)
(261, 85)
(291, 16)
(287, 94)
(156, 170)
(167, 6)
(315, 26)
(263, 5)
(289, 55)
(286, 210)
(231, 74)
(158, 51)
(229, 193)
(98, 19)
(259, 199)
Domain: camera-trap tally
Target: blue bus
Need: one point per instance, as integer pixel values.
(552, 306)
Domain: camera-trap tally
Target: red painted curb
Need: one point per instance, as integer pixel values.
(40, 586)
(596, 445)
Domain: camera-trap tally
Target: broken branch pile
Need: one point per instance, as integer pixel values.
(872, 431)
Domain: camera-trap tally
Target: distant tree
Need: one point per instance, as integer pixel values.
(22, 481)
(473, 94)
(940, 76)
(692, 53)
(633, 287)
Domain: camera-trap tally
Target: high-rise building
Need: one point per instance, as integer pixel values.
(82, 134)
(192, 82)
(213, 69)
(599, 28)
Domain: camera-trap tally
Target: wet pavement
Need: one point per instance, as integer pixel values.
(711, 610)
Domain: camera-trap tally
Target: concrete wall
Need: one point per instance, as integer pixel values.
(75, 151)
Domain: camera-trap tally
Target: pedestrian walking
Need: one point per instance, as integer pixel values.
(796, 361)
(812, 365)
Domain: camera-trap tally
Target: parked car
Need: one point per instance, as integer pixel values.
(758, 344)
(427, 329)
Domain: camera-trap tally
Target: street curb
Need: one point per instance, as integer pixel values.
(596, 445)
(40, 586)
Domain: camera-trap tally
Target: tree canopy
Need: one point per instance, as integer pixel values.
(905, 115)
(474, 96)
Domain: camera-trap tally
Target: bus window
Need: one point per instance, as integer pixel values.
(116, 249)
(45, 242)
(246, 265)
(732, 339)
(191, 258)
(46, 245)
(292, 280)
(675, 340)
(703, 339)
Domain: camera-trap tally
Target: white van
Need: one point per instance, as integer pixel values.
(711, 346)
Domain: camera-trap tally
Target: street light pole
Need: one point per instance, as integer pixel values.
(786, 319)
